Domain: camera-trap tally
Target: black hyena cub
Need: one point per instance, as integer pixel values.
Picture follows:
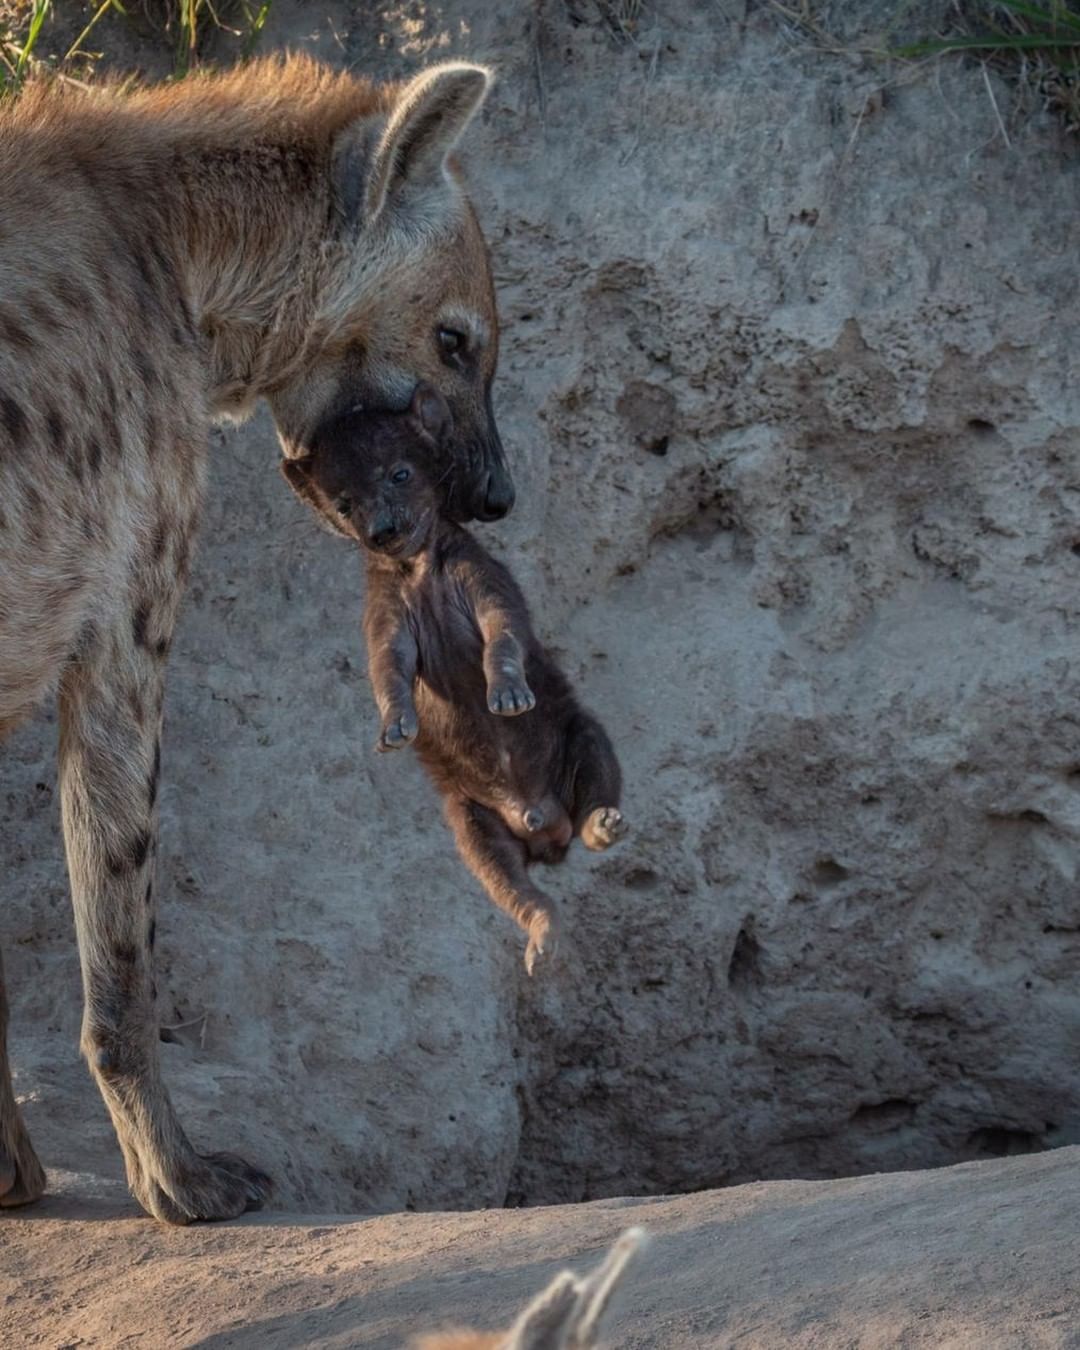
(455, 665)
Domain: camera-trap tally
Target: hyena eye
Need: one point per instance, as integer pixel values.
(400, 476)
(451, 341)
(343, 506)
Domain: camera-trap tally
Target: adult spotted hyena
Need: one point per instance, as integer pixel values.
(166, 258)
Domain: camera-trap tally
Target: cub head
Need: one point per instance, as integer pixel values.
(407, 298)
(375, 477)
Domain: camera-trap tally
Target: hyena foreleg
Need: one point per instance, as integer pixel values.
(497, 858)
(110, 717)
(21, 1176)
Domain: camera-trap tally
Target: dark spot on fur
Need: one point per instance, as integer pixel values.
(13, 418)
(12, 331)
(88, 637)
(161, 648)
(112, 435)
(69, 292)
(145, 371)
(155, 774)
(139, 622)
(133, 857)
(42, 313)
(153, 933)
(151, 433)
(54, 427)
(110, 401)
(149, 897)
(139, 849)
(160, 541)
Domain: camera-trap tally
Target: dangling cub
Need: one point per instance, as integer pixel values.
(456, 668)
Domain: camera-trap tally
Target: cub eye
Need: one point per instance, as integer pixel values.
(343, 506)
(451, 341)
(400, 476)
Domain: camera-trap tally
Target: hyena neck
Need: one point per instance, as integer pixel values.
(250, 194)
(253, 276)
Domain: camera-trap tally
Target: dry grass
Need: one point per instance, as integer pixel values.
(1033, 43)
(25, 33)
(623, 16)
(1036, 44)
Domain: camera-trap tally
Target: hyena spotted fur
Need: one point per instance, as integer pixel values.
(168, 258)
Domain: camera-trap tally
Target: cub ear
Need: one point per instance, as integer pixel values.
(297, 473)
(408, 150)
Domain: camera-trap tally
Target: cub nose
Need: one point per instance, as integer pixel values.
(382, 531)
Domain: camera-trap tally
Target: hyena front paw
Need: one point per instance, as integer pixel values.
(543, 940)
(399, 729)
(22, 1178)
(510, 696)
(212, 1186)
(603, 827)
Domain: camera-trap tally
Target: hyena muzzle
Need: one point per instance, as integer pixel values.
(171, 256)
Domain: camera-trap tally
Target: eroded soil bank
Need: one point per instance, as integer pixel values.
(790, 385)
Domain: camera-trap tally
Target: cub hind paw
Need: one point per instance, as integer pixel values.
(603, 827)
(543, 941)
(399, 730)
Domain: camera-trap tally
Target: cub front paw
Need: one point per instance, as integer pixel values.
(399, 729)
(510, 696)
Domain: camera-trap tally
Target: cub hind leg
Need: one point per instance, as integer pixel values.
(497, 858)
(595, 781)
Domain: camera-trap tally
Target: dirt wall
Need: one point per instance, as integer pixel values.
(790, 386)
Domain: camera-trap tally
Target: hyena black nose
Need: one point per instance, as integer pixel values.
(498, 496)
(382, 532)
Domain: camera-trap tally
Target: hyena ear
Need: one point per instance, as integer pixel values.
(430, 413)
(408, 151)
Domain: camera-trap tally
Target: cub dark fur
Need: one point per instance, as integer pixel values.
(456, 668)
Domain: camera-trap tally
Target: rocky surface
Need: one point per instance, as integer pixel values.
(791, 388)
(983, 1255)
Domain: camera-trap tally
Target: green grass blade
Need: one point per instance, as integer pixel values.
(1059, 16)
(256, 22)
(1019, 42)
(37, 18)
(103, 8)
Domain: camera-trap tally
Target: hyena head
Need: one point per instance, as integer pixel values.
(409, 299)
(375, 477)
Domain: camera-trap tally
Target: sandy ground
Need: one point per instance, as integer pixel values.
(980, 1255)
